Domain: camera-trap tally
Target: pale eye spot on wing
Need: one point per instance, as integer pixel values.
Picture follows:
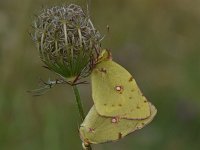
(119, 89)
(105, 104)
(120, 105)
(130, 97)
(114, 120)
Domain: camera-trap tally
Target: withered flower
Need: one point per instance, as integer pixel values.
(67, 41)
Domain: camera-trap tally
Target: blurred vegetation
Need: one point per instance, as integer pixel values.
(157, 41)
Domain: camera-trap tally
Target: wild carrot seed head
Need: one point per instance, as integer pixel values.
(67, 41)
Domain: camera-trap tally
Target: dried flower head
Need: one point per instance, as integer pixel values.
(67, 41)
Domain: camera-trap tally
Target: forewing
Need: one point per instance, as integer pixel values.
(115, 92)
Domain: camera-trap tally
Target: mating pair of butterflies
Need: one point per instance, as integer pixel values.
(119, 106)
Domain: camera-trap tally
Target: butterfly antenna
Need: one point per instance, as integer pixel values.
(107, 32)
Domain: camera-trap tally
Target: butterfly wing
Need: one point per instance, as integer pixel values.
(115, 92)
(98, 129)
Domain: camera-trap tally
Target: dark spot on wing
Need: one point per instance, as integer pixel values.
(131, 79)
(119, 135)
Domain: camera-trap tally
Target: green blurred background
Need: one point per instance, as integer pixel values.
(157, 41)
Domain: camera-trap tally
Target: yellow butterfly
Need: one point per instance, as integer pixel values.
(119, 106)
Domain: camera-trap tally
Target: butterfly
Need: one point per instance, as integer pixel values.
(119, 106)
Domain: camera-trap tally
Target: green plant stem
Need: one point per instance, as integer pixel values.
(79, 103)
(80, 107)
